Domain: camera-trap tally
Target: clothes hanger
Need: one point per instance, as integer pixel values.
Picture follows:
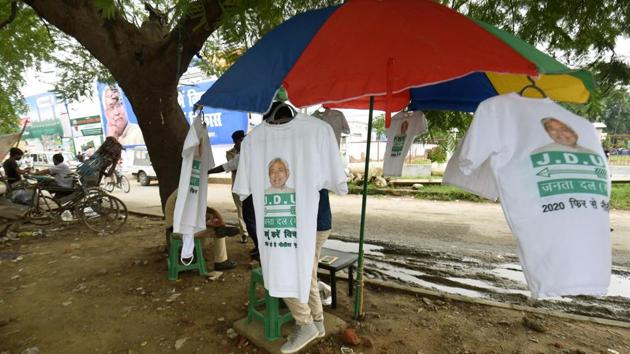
(274, 120)
(532, 86)
(199, 111)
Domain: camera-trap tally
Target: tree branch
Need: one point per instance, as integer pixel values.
(109, 41)
(12, 15)
(190, 33)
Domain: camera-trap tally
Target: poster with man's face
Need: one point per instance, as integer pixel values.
(120, 121)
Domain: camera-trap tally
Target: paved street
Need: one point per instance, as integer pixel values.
(459, 227)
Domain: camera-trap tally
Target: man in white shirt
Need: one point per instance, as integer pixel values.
(232, 156)
(60, 171)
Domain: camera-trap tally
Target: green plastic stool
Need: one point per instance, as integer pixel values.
(174, 264)
(271, 318)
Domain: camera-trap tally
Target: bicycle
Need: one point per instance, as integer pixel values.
(117, 180)
(97, 210)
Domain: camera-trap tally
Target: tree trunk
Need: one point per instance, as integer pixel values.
(164, 129)
(147, 65)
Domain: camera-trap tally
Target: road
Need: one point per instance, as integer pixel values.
(453, 227)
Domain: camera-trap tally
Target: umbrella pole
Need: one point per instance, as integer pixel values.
(358, 300)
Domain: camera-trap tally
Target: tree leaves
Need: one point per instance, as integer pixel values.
(25, 44)
(106, 7)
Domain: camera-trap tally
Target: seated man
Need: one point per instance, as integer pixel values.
(14, 175)
(60, 172)
(216, 229)
(11, 168)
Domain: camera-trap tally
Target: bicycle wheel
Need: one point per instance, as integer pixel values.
(108, 185)
(102, 213)
(124, 184)
(44, 211)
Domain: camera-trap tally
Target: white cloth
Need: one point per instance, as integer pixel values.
(400, 135)
(480, 181)
(190, 208)
(231, 165)
(554, 194)
(337, 121)
(61, 172)
(287, 211)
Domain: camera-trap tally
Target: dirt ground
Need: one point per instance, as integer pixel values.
(72, 291)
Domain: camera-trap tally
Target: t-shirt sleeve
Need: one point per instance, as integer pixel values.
(332, 176)
(424, 125)
(242, 185)
(345, 128)
(191, 142)
(481, 140)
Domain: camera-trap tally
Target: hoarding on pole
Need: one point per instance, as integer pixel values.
(119, 120)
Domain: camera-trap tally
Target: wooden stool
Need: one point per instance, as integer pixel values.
(271, 318)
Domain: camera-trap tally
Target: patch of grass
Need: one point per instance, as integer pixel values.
(448, 193)
(620, 193)
(429, 192)
(620, 198)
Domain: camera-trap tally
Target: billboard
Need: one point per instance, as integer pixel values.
(119, 120)
(47, 123)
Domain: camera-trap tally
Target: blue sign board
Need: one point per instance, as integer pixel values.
(120, 121)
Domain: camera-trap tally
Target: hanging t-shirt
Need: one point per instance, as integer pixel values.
(337, 121)
(552, 179)
(400, 135)
(283, 167)
(480, 181)
(190, 208)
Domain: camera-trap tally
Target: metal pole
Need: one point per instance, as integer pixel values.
(358, 300)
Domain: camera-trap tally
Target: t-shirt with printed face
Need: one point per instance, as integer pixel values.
(284, 167)
(552, 179)
(400, 135)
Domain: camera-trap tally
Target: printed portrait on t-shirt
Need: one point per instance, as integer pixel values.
(404, 126)
(280, 207)
(565, 167)
(399, 140)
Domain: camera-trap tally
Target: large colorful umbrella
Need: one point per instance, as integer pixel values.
(396, 50)
(386, 55)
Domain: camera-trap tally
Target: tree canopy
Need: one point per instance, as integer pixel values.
(146, 45)
(579, 33)
(25, 44)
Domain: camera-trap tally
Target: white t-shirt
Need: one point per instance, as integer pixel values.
(403, 129)
(337, 121)
(190, 208)
(554, 190)
(480, 181)
(61, 172)
(286, 208)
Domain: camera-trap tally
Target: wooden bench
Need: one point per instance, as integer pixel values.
(344, 260)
